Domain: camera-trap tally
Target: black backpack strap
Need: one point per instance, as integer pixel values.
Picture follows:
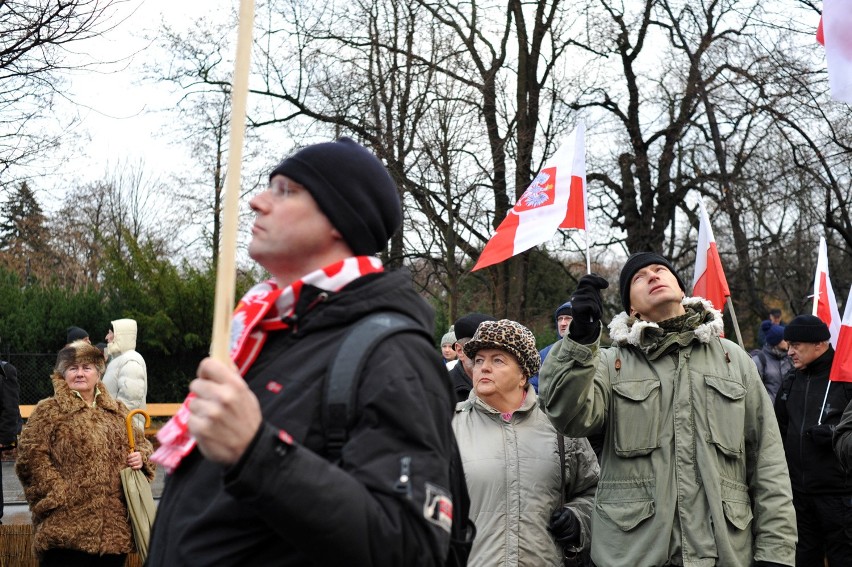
(346, 367)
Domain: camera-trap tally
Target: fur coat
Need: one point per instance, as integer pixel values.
(69, 458)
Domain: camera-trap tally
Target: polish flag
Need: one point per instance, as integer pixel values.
(841, 367)
(709, 280)
(835, 33)
(555, 199)
(825, 303)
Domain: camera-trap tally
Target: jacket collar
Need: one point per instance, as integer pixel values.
(69, 403)
(705, 322)
(530, 402)
(822, 365)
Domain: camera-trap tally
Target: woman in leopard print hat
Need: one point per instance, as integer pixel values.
(511, 458)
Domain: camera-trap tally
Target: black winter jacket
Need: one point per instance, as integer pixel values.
(284, 503)
(9, 413)
(814, 468)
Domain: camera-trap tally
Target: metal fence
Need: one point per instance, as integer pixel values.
(168, 376)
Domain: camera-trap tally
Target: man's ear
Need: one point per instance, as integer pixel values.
(336, 234)
(458, 348)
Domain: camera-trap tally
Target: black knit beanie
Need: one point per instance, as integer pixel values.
(465, 326)
(75, 334)
(352, 188)
(635, 263)
(806, 329)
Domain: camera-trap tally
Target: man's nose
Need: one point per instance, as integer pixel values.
(258, 203)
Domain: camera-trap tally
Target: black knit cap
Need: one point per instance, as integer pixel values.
(465, 326)
(635, 263)
(75, 334)
(806, 329)
(352, 188)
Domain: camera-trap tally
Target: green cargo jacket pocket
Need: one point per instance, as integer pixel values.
(736, 504)
(726, 415)
(636, 417)
(626, 504)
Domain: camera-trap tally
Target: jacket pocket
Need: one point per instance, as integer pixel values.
(636, 417)
(736, 505)
(626, 504)
(726, 414)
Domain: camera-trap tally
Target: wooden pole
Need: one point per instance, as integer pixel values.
(734, 319)
(223, 306)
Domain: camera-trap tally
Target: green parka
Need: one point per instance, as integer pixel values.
(693, 471)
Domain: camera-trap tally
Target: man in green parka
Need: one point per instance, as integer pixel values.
(692, 471)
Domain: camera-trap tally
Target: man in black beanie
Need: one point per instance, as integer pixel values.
(809, 407)
(76, 334)
(253, 477)
(692, 466)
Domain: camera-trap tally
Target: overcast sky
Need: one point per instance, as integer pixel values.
(121, 117)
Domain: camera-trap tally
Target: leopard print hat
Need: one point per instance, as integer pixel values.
(509, 336)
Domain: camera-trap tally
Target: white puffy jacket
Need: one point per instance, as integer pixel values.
(126, 377)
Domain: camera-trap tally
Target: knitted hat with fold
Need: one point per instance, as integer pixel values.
(352, 188)
(509, 336)
(806, 329)
(635, 263)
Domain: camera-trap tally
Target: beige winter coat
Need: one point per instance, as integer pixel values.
(69, 458)
(126, 376)
(512, 473)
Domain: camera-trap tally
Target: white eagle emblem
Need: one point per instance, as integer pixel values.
(536, 193)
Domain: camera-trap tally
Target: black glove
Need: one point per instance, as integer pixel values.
(565, 526)
(822, 434)
(587, 307)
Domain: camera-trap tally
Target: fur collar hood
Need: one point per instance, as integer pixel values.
(645, 335)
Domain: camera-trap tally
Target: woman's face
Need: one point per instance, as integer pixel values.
(449, 352)
(497, 373)
(83, 377)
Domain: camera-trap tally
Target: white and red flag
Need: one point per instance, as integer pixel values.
(709, 280)
(835, 33)
(555, 199)
(841, 366)
(825, 303)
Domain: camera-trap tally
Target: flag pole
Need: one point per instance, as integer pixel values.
(223, 305)
(730, 304)
(824, 399)
(588, 256)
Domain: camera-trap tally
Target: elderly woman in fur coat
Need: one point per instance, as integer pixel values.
(69, 457)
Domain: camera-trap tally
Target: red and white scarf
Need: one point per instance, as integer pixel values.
(264, 308)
